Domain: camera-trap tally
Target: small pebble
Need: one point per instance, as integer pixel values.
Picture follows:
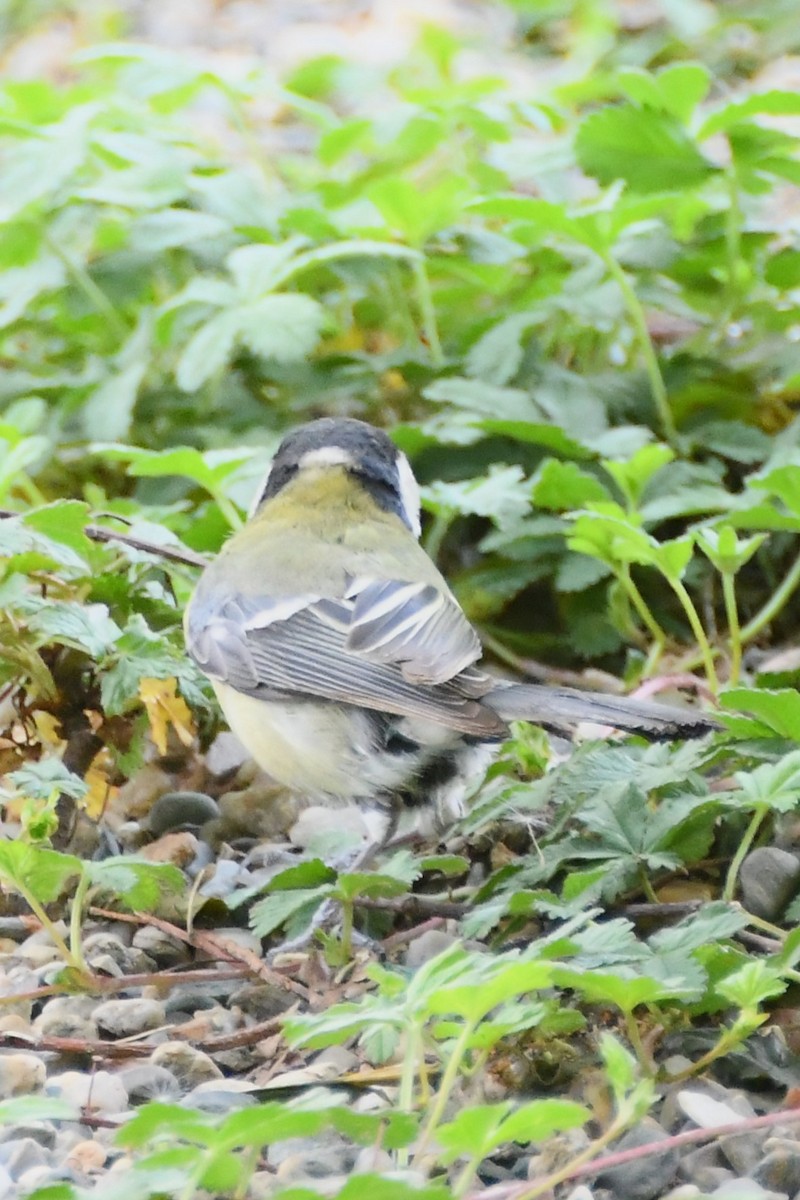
(21, 1074)
(745, 1189)
(87, 1156)
(220, 1096)
(646, 1178)
(23, 1155)
(146, 1081)
(101, 1092)
(41, 1131)
(123, 1018)
(780, 1170)
(180, 849)
(188, 1065)
(162, 947)
(769, 878)
(68, 1016)
(181, 811)
(427, 946)
(743, 1151)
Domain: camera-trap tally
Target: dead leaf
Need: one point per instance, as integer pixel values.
(164, 708)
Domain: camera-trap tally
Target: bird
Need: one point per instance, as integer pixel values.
(342, 659)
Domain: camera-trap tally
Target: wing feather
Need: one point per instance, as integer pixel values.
(309, 653)
(416, 625)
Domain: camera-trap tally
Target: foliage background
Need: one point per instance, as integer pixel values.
(551, 245)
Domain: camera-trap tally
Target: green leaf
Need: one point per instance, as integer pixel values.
(773, 103)
(86, 627)
(752, 984)
(774, 713)
(208, 351)
(649, 150)
(283, 327)
(274, 910)
(44, 873)
(676, 89)
(560, 486)
(47, 777)
(138, 883)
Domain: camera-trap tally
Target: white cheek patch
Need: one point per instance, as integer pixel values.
(326, 456)
(409, 493)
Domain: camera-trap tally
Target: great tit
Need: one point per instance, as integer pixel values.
(341, 658)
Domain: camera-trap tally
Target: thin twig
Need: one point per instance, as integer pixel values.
(214, 946)
(99, 533)
(518, 1191)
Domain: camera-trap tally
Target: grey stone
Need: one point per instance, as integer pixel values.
(121, 1018)
(22, 1155)
(188, 1065)
(101, 1092)
(165, 950)
(181, 810)
(780, 1170)
(647, 1178)
(225, 755)
(68, 1016)
(427, 946)
(148, 1081)
(769, 878)
(693, 1161)
(218, 1097)
(262, 1000)
(743, 1150)
(40, 1131)
(710, 1178)
(21, 1074)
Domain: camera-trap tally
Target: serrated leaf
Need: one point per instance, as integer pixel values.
(86, 627)
(45, 873)
(771, 103)
(561, 486)
(283, 327)
(274, 910)
(649, 150)
(208, 351)
(776, 713)
(138, 883)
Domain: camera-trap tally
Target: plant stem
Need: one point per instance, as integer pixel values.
(698, 631)
(646, 885)
(546, 1186)
(733, 244)
(427, 311)
(635, 1039)
(437, 533)
(446, 1085)
(46, 923)
(228, 510)
(642, 608)
(734, 628)
(646, 347)
(728, 1040)
(76, 923)
(775, 603)
(759, 813)
(95, 295)
(413, 1060)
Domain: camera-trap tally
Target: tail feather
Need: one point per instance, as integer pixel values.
(563, 708)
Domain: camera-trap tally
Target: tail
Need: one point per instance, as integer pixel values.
(560, 709)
